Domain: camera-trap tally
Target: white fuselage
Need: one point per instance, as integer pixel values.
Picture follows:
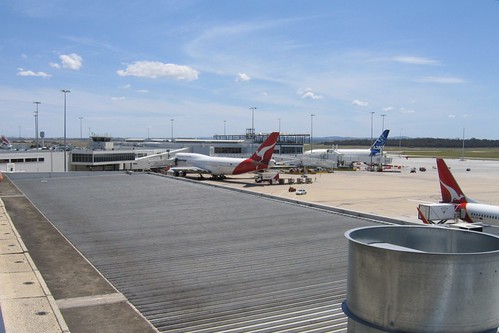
(323, 153)
(481, 212)
(215, 165)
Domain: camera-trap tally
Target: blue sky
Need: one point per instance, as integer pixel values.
(431, 67)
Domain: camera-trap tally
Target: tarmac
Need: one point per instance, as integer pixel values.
(29, 305)
(394, 194)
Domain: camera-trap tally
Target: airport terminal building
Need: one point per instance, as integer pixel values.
(105, 154)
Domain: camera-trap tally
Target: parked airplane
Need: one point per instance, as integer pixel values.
(6, 143)
(466, 208)
(373, 151)
(218, 167)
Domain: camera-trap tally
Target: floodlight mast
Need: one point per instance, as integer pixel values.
(36, 123)
(65, 91)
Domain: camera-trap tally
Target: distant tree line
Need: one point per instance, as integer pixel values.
(419, 143)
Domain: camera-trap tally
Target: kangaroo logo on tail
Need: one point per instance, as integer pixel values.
(379, 143)
(261, 158)
(451, 192)
(265, 151)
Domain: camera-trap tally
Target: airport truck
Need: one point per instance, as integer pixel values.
(437, 212)
(271, 177)
(445, 213)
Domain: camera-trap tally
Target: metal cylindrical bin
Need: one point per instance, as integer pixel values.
(422, 279)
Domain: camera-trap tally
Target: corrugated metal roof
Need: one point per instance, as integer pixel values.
(197, 258)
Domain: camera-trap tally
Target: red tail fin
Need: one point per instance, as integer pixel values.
(451, 192)
(5, 141)
(264, 153)
(261, 158)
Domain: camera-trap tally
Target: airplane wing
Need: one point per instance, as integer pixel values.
(188, 169)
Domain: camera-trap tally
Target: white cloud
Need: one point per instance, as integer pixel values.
(308, 93)
(23, 72)
(388, 109)
(120, 98)
(53, 64)
(443, 80)
(155, 69)
(416, 60)
(452, 116)
(356, 102)
(71, 61)
(243, 77)
(405, 111)
(143, 91)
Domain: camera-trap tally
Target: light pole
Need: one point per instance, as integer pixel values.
(253, 108)
(381, 150)
(36, 122)
(171, 120)
(81, 128)
(311, 132)
(382, 122)
(225, 121)
(372, 114)
(65, 91)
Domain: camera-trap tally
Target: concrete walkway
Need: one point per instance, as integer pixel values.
(26, 302)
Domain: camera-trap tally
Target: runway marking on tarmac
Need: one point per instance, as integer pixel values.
(12, 196)
(77, 302)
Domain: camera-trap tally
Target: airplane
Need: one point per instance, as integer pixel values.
(5, 143)
(219, 167)
(373, 151)
(466, 208)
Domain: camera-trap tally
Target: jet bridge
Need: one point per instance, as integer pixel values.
(156, 161)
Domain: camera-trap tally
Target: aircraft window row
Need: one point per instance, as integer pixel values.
(485, 216)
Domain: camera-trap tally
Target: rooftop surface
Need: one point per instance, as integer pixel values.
(186, 256)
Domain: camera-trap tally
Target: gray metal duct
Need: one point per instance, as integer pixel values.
(422, 279)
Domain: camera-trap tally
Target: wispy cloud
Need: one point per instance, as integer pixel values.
(415, 60)
(70, 61)
(243, 77)
(308, 93)
(406, 111)
(156, 69)
(357, 102)
(23, 72)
